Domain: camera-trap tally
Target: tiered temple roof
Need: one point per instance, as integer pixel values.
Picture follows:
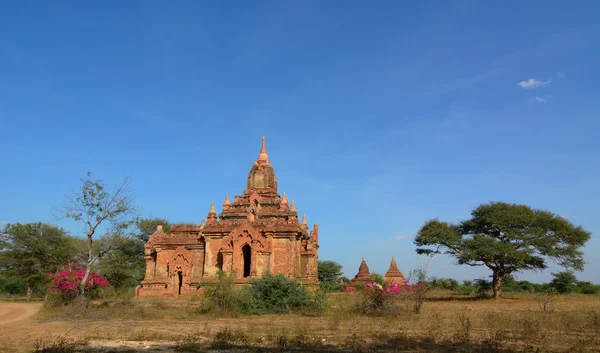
(260, 202)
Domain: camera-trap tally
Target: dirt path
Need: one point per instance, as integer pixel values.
(11, 312)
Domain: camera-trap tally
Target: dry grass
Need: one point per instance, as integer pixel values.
(447, 323)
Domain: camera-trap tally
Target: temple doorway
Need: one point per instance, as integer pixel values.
(180, 284)
(247, 255)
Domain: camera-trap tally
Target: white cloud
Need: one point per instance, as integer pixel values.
(3, 223)
(402, 237)
(560, 75)
(533, 83)
(539, 100)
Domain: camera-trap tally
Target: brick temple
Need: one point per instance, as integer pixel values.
(258, 232)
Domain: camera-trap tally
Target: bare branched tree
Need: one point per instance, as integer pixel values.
(101, 211)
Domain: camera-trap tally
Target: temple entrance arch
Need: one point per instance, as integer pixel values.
(179, 282)
(247, 259)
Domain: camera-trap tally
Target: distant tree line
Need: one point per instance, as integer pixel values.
(562, 282)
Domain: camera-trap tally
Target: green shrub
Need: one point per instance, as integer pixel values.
(378, 278)
(11, 287)
(275, 294)
(588, 288)
(564, 282)
(223, 297)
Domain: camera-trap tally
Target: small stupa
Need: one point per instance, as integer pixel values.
(362, 277)
(394, 275)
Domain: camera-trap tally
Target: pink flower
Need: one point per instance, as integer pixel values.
(69, 278)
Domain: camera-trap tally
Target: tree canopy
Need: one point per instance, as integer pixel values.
(564, 282)
(30, 251)
(124, 265)
(506, 238)
(329, 274)
(147, 226)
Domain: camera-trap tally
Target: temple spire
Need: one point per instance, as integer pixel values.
(293, 207)
(284, 202)
(304, 221)
(263, 157)
(393, 266)
(363, 269)
(227, 203)
(211, 219)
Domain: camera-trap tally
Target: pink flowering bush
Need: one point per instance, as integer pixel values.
(391, 298)
(66, 283)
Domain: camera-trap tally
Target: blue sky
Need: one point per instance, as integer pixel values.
(378, 117)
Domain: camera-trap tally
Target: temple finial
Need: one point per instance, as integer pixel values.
(202, 224)
(263, 157)
(284, 201)
(293, 207)
(212, 215)
(304, 220)
(227, 203)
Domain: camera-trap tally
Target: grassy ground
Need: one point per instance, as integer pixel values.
(448, 323)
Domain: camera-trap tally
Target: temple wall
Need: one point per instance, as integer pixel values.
(197, 265)
(282, 256)
(213, 245)
(160, 271)
(262, 263)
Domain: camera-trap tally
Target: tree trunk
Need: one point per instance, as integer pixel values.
(28, 292)
(496, 285)
(88, 265)
(88, 269)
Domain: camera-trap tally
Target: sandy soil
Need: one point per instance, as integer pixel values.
(520, 321)
(11, 312)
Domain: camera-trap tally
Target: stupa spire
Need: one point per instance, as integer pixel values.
(304, 223)
(263, 157)
(363, 269)
(293, 207)
(211, 219)
(284, 202)
(227, 203)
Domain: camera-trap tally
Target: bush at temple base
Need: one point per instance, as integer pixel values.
(391, 298)
(223, 298)
(275, 294)
(64, 285)
(271, 294)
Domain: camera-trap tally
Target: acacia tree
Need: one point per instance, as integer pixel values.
(507, 238)
(329, 271)
(100, 210)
